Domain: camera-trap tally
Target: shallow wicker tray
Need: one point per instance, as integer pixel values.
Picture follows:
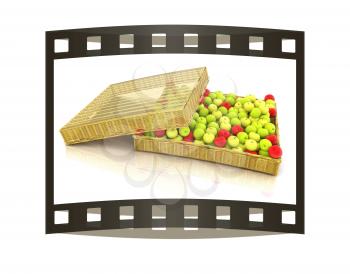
(146, 104)
(209, 153)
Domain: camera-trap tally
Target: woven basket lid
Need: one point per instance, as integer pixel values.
(146, 104)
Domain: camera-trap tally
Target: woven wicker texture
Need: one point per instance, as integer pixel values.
(210, 153)
(156, 102)
(207, 153)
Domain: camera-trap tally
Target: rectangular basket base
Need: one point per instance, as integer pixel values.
(208, 153)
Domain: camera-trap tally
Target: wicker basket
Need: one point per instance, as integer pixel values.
(209, 153)
(146, 104)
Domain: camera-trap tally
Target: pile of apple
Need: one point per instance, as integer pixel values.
(243, 124)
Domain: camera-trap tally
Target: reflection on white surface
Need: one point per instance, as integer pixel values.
(124, 172)
(112, 170)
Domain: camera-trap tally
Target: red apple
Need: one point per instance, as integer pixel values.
(220, 141)
(269, 96)
(206, 92)
(272, 112)
(236, 129)
(189, 137)
(159, 133)
(272, 138)
(250, 152)
(227, 105)
(224, 133)
(139, 132)
(275, 152)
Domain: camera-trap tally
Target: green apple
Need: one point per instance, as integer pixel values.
(254, 123)
(250, 129)
(217, 114)
(238, 104)
(214, 124)
(198, 133)
(192, 124)
(262, 122)
(208, 138)
(233, 141)
(201, 106)
(245, 100)
(223, 110)
(224, 119)
(198, 142)
(184, 131)
(265, 144)
(264, 110)
(238, 149)
(263, 132)
(242, 146)
(251, 98)
(248, 106)
(270, 102)
(235, 121)
(149, 134)
(230, 99)
(178, 138)
(259, 103)
(212, 108)
(265, 116)
(202, 120)
(251, 145)
(263, 153)
(268, 120)
(242, 136)
(212, 95)
(226, 126)
(255, 113)
(203, 112)
(212, 130)
(231, 115)
(245, 122)
(270, 127)
(270, 105)
(201, 125)
(254, 136)
(217, 101)
(220, 95)
(233, 109)
(242, 114)
(171, 133)
(211, 118)
(208, 100)
(195, 116)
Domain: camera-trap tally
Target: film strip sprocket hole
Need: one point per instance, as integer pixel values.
(152, 39)
(186, 213)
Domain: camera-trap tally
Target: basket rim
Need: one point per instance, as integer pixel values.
(162, 139)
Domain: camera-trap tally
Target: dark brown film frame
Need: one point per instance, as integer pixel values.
(239, 38)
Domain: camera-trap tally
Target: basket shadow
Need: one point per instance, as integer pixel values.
(117, 155)
(175, 233)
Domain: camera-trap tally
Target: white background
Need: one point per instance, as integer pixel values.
(108, 169)
(24, 246)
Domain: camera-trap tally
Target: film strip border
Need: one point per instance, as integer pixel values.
(189, 214)
(192, 39)
(175, 39)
